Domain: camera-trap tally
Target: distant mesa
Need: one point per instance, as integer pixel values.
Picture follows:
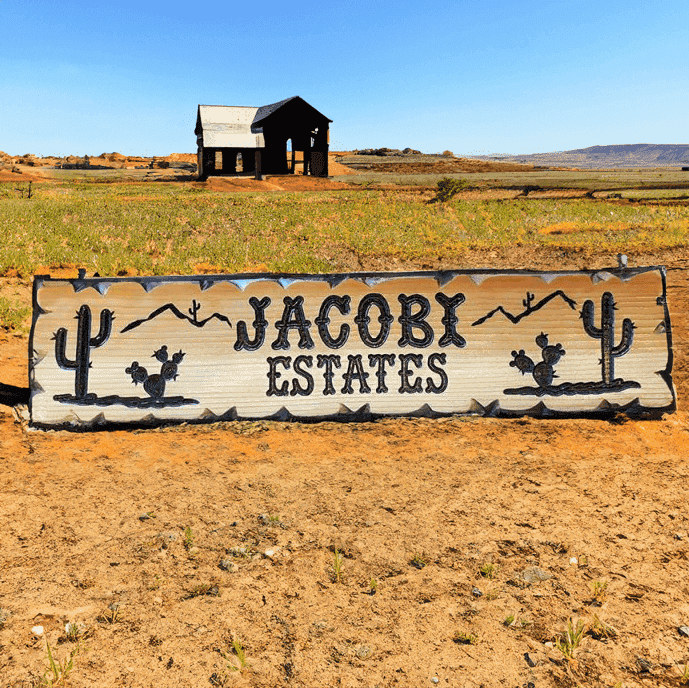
(612, 156)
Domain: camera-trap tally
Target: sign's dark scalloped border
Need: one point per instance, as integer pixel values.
(605, 411)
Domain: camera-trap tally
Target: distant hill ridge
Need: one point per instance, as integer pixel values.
(619, 155)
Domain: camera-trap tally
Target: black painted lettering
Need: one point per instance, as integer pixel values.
(323, 320)
(381, 360)
(362, 320)
(415, 321)
(433, 361)
(293, 318)
(355, 371)
(328, 362)
(296, 387)
(405, 386)
(451, 335)
(273, 375)
(260, 323)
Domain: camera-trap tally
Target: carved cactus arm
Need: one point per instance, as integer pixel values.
(627, 339)
(60, 338)
(587, 315)
(106, 318)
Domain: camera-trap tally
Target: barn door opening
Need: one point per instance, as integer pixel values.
(291, 157)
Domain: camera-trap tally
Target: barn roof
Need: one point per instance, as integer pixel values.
(236, 126)
(227, 126)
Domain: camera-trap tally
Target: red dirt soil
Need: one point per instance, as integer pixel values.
(165, 545)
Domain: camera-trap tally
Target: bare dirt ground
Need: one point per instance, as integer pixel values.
(164, 546)
(414, 165)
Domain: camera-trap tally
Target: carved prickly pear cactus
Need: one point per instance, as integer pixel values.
(544, 371)
(85, 342)
(606, 334)
(154, 384)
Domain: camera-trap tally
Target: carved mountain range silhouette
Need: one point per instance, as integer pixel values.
(178, 314)
(529, 308)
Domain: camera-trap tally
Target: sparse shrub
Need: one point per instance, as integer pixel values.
(448, 188)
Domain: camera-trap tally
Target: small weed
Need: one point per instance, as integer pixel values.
(58, 671)
(271, 520)
(600, 630)
(75, 631)
(462, 638)
(489, 570)
(418, 561)
(571, 638)
(599, 590)
(338, 562)
(684, 675)
(372, 586)
(188, 538)
(111, 615)
(492, 595)
(513, 620)
(204, 589)
(245, 552)
(238, 652)
(155, 584)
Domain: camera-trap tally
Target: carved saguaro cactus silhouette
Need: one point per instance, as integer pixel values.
(85, 342)
(194, 310)
(606, 333)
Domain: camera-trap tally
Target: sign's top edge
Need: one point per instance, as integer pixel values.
(446, 275)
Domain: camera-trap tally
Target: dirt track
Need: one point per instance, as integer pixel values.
(95, 534)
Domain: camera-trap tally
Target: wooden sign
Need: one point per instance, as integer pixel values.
(155, 349)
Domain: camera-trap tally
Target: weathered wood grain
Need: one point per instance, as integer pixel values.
(155, 349)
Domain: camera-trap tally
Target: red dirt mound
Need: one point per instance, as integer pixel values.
(272, 183)
(7, 176)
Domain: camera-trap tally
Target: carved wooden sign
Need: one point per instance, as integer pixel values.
(154, 349)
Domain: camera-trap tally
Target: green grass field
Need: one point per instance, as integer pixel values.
(163, 228)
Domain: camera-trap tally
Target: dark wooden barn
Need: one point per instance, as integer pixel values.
(258, 139)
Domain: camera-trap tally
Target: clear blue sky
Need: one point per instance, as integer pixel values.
(478, 77)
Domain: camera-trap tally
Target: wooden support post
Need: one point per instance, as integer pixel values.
(257, 160)
(307, 158)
